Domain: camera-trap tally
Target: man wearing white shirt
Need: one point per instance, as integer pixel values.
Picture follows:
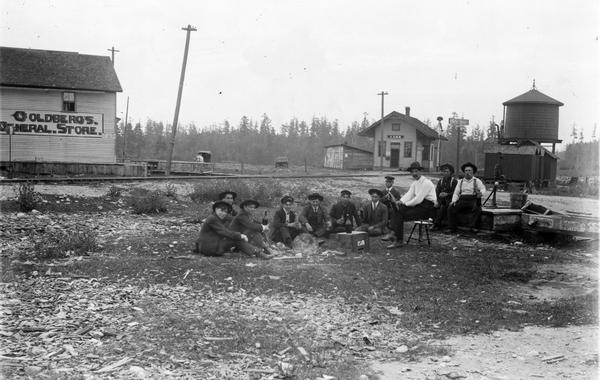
(466, 200)
(417, 203)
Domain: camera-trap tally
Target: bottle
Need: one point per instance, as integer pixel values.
(348, 224)
(265, 219)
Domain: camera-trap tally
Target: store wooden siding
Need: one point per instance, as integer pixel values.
(53, 148)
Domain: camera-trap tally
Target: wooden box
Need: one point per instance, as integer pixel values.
(354, 241)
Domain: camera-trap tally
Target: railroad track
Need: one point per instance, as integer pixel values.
(185, 177)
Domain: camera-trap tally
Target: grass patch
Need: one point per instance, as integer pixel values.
(153, 202)
(264, 190)
(59, 243)
(27, 197)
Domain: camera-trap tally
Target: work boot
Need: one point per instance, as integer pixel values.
(396, 244)
(388, 237)
(262, 255)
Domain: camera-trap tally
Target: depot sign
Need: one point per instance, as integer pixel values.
(23, 122)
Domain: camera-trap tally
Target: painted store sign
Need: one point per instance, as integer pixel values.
(24, 122)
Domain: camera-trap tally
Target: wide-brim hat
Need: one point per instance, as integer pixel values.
(415, 165)
(286, 199)
(463, 166)
(249, 202)
(315, 196)
(345, 192)
(223, 194)
(376, 191)
(450, 167)
(221, 204)
(389, 178)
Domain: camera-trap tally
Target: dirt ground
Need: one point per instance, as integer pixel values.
(470, 307)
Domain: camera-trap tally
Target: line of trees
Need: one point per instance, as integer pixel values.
(254, 142)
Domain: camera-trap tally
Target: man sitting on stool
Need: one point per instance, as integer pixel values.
(418, 203)
(466, 199)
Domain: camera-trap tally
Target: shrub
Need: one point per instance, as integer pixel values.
(151, 203)
(113, 192)
(27, 197)
(171, 191)
(60, 243)
(263, 190)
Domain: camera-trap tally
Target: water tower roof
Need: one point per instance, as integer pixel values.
(533, 96)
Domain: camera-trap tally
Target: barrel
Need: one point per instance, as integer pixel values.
(517, 200)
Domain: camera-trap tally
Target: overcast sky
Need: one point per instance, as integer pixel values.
(329, 58)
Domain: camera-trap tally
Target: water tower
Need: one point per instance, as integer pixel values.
(530, 120)
(531, 116)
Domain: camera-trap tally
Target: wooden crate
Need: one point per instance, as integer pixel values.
(354, 241)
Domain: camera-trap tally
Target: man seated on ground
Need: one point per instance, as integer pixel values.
(444, 190)
(313, 217)
(466, 199)
(216, 238)
(418, 203)
(229, 197)
(285, 226)
(343, 214)
(246, 223)
(374, 215)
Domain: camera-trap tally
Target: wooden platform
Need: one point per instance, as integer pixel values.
(563, 224)
(501, 219)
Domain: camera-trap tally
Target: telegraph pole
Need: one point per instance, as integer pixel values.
(112, 55)
(125, 129)
(188, 29)
(439, 152)
(382, 142)
(458, 124)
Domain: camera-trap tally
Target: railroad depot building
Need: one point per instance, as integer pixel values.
(402, 139)
(57, 107)
(344, 156)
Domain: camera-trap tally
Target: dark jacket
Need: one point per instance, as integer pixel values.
(375, 218)
(245, 224)
(387, 199)
(213, 234)
(445, 185)
(340, 210)
(316, 220)
(279, 219)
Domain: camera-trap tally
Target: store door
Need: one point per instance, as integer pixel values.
(395, 158)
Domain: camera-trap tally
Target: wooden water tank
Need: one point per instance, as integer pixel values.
(532, 116)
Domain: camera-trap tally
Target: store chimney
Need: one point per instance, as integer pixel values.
(407, 111)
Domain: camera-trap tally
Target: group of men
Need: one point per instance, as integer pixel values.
(384, 214)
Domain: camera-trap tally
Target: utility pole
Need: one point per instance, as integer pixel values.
(125, 129)
(439, 152)
(112, 55)
(188, 29)
(382, 142)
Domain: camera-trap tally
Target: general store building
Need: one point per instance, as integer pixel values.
(401, 139)
(58, 106)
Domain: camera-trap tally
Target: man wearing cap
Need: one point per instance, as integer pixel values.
(285, 226)
(343, 214)
(418, 203)
(466, 199)
(390, 195)
(246, 223)
(313, 218)
(216, 238)
(374, 215)
(444, 190)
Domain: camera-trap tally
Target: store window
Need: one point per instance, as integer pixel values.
(381, 148)
(408, 149)
(395, 126)
(68, 102)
